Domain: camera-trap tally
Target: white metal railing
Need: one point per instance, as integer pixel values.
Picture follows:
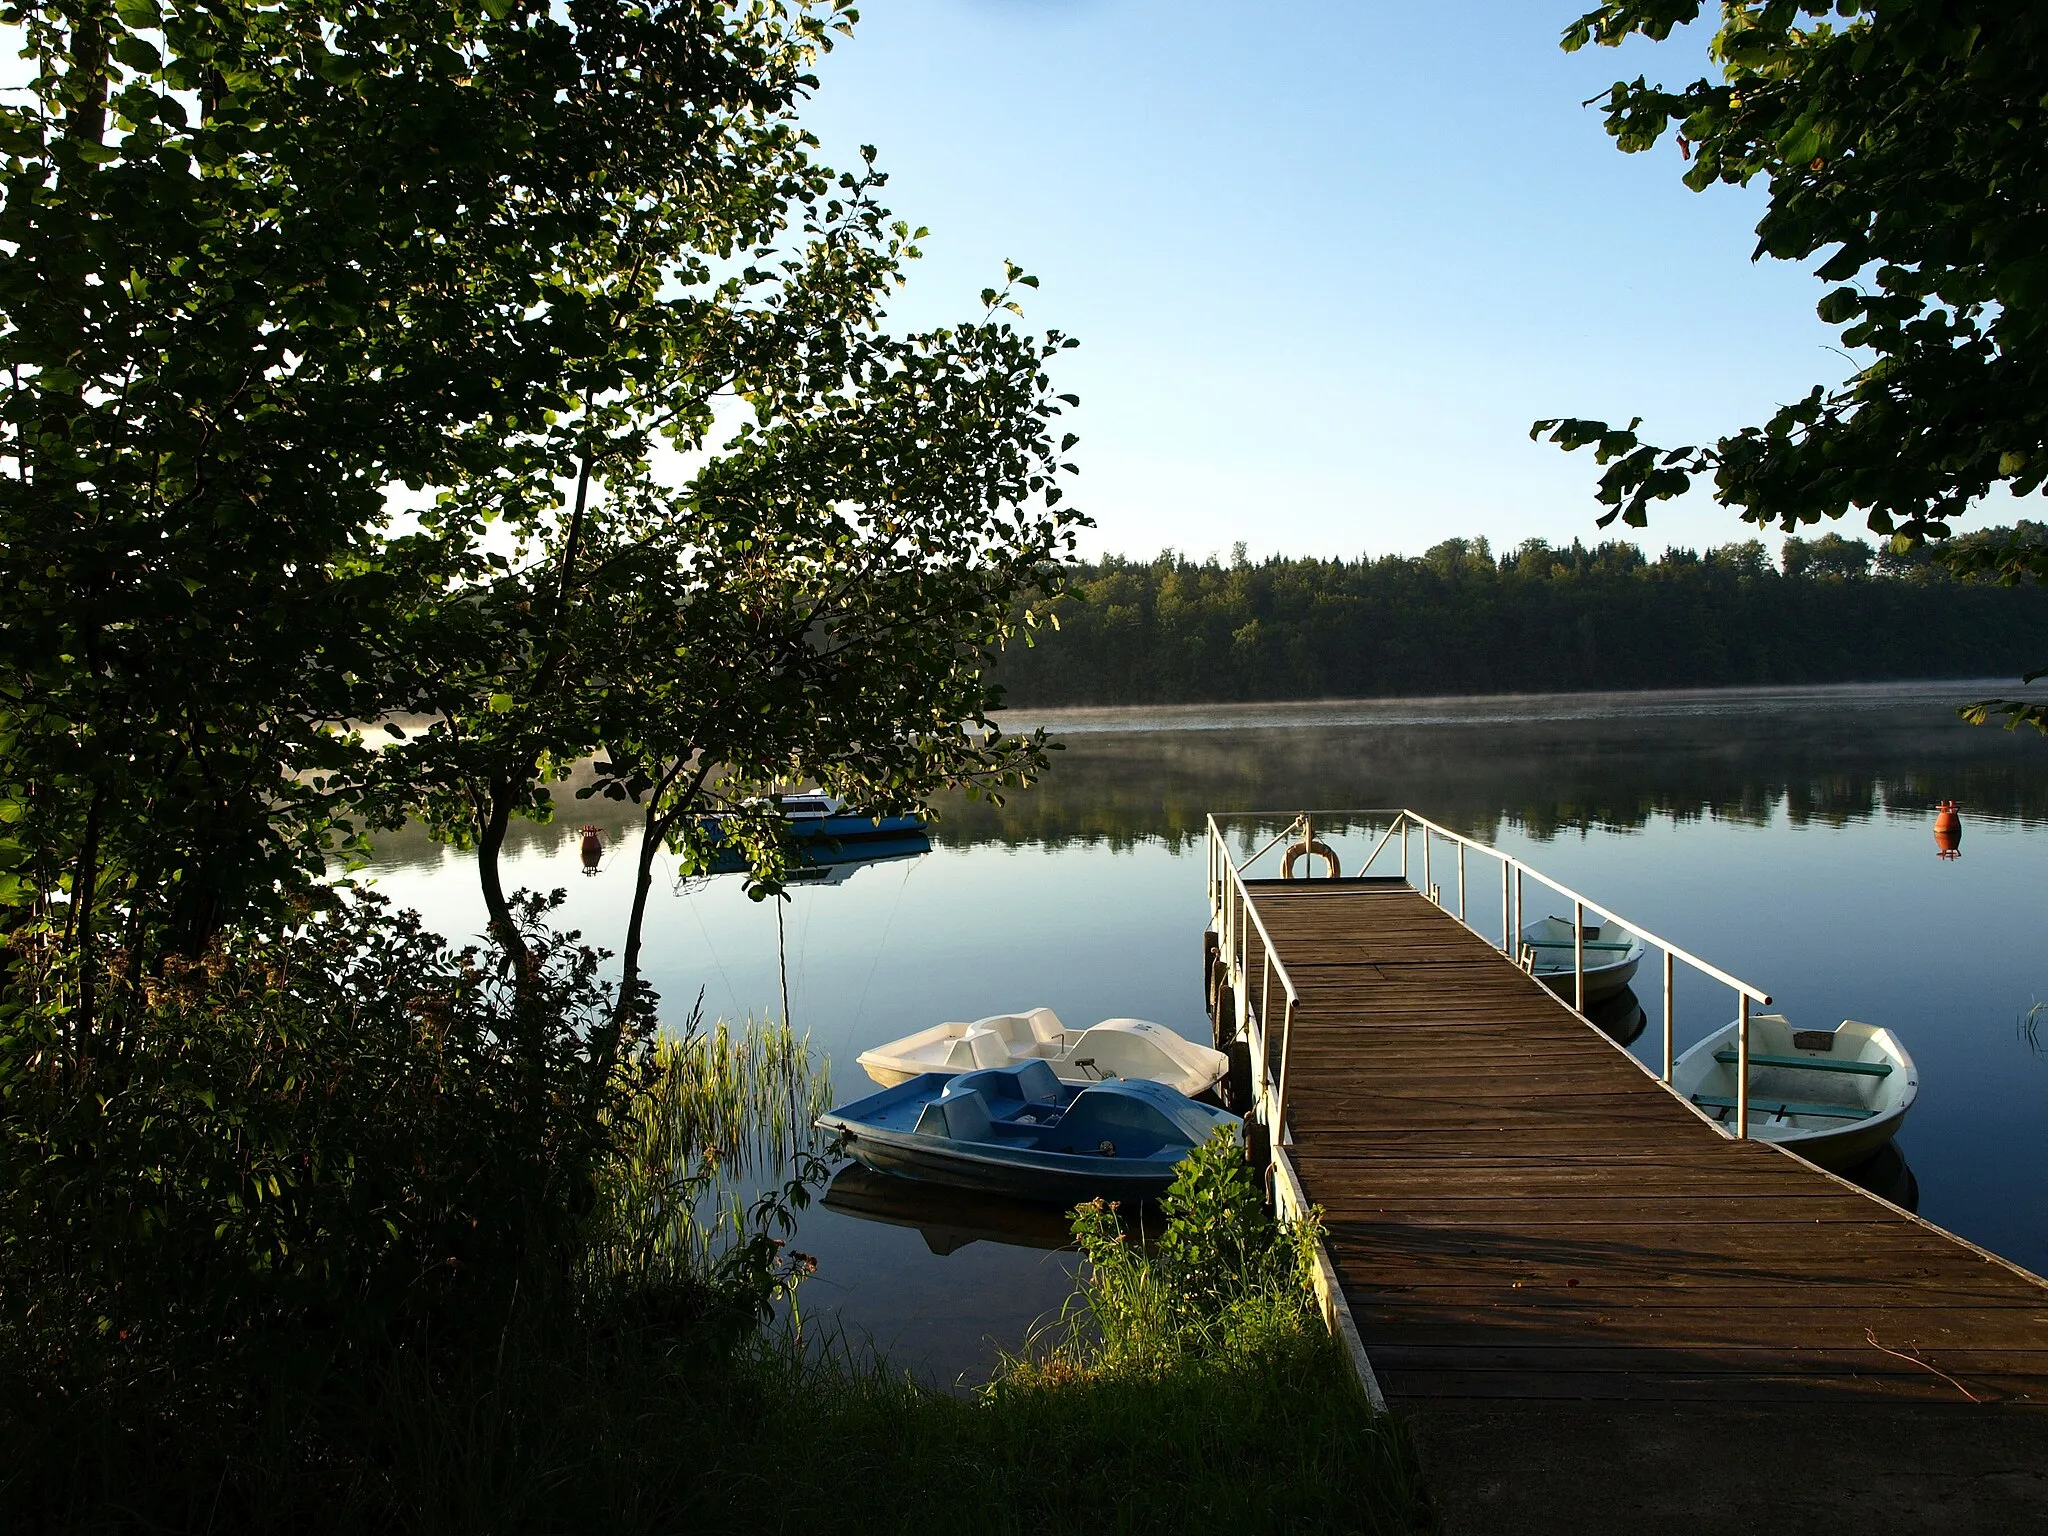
(1236, 920)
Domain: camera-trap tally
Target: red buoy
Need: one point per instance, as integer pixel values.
(593, 847)
(1948, 831)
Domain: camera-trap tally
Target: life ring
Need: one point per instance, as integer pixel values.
(1305, 850)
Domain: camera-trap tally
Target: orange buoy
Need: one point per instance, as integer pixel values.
(593, 847)
(1948, 831)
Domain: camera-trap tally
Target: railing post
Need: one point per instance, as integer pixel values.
(1507, 914)
(1404, 845)
(1461, 885)
(1579, 956)
(1518, 906)
(1667, 1015)
(1742, 1066)
(1425, 860)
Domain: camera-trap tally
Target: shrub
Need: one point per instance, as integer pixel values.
(328, 1130)
(1222, 1282)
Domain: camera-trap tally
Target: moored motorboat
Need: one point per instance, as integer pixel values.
(824, 816)
(1020, 1131)
(1130, 1048)
(1550, 952)
(1834, 1096)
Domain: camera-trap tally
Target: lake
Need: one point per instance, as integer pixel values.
(1784, 835)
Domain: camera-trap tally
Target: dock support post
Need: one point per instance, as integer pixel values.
(1742, 1066)
(1667, 1015)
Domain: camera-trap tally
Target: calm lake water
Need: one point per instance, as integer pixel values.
(1784, 835)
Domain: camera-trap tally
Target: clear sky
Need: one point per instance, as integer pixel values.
(1327, 260)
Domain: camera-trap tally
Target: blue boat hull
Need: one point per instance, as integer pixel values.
(1019, 1131)
(1047, 1177)
(854, 829)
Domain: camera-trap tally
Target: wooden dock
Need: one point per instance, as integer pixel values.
(1527, 1229)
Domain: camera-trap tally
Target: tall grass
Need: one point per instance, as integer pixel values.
(716, 1112)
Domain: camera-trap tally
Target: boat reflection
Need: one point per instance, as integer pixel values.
(832, 863)
(1619, 1016)
(1887, 1174)
(947, 1219)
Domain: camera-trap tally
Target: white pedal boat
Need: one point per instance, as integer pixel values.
(1834, 1096)
(1612, 955)
(1132, 1048)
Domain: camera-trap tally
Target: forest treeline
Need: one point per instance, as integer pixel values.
(1460, 619)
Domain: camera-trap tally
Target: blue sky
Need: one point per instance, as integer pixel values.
(1327, 261)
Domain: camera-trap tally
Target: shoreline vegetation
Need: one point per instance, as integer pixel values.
(645, 1370)
(1460, 620)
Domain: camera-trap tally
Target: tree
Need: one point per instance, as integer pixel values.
(1905, 141)
(265, 262)
(1830, 555)
(268, 263)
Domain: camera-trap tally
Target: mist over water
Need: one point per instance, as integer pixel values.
(1784, 835)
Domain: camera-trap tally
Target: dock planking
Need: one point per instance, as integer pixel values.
(1517, 1211)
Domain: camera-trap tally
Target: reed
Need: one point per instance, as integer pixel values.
(714, 1112)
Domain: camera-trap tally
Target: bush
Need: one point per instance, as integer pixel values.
(331, 1130)
(1222, 1283)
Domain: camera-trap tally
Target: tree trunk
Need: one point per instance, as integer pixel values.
(655, 827)
(490, 844)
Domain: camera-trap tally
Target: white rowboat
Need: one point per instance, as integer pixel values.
(1612, 954)
(1834, 1096)
(1127, 1048)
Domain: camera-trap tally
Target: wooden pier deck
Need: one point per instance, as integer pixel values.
(1520, 1216)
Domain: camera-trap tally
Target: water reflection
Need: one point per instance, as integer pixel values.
(1888, 1175)
(947, 1219)
(1620, 1016)
(1599, 762)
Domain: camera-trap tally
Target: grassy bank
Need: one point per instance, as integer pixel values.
(1188, 1380)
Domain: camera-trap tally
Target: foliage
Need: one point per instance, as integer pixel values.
(273, 263)
(1903, 140)
(319, 1130)
(1223, 1284)
(1461, 620)
(266, 263)
(333, 1133)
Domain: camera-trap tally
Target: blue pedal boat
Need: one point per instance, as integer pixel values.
(1021, 1131)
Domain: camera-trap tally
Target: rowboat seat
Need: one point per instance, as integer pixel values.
(1774, 1107)
(1810, 1064)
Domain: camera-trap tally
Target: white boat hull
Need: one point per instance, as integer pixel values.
(1128, 1048)
(1835, 1072)
(1611, 962)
